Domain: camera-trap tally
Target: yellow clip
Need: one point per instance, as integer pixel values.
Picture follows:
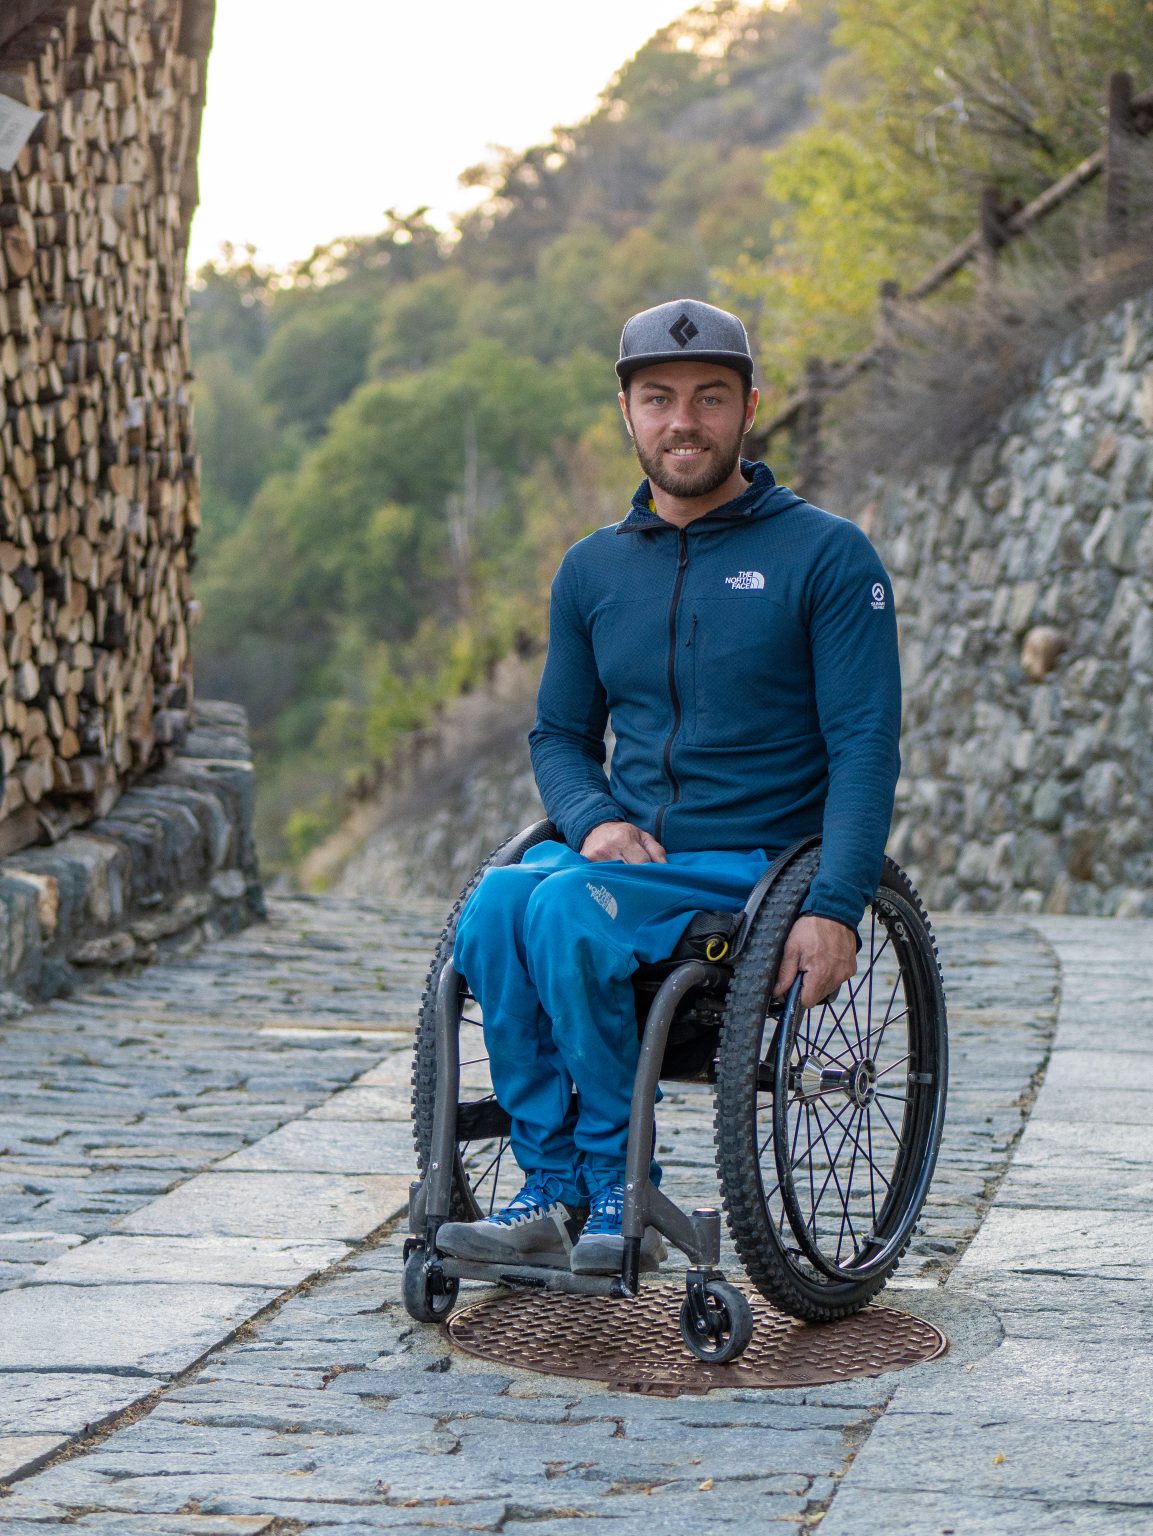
(716, 949)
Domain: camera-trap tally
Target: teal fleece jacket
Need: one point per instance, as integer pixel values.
(748, 667)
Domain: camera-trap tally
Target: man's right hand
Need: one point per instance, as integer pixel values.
(621, 840)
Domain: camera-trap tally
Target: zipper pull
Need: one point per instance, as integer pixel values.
(692, 631)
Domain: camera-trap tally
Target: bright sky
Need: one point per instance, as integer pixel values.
(320, 117)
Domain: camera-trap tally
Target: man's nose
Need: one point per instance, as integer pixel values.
(684, 417)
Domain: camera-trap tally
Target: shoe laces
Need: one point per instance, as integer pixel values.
(533, 1200)
(606, 1212)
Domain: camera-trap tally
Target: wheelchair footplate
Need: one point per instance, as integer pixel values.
(716, 1320)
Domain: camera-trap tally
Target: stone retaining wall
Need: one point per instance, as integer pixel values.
(1024, 585)
(172, 863)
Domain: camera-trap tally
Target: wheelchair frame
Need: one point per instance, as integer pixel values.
(716, 1319)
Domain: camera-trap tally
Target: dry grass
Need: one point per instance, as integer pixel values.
(959, 366)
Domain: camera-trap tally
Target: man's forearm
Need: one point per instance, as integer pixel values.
(573, 786)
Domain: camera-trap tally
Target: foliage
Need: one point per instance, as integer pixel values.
(931, 101)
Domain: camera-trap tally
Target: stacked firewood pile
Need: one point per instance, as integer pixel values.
(98, 473)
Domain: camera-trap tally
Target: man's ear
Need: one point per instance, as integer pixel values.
(751, 408)
(623, 402)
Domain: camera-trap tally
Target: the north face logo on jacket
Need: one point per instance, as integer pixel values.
(746, 581)
(603, 898)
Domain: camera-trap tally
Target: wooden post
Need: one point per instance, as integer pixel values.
(991, 230)
(810, 463)
(889, 299)
(1119, 135)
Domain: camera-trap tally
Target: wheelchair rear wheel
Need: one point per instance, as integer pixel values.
(828, 1123)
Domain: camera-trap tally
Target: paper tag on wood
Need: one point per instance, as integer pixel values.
(17, 125)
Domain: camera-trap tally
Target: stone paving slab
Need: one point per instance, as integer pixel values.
(332, 1411)
(928, 1512)
(267, 1261)
(331, 1147)
(64, 1402)
(121, 1523)
(285, 1205)
(374, 1104)
(144, 1328)
(1055, 1240)
(18, 1451)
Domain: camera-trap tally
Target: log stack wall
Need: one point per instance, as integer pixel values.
(99, 484)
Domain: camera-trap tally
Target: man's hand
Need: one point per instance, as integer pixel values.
(827, 953)
(621, 840)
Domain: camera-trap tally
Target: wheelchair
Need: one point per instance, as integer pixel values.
(827, 1120)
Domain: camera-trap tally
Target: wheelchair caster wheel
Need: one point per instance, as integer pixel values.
(429, 1294)
(716, 1321)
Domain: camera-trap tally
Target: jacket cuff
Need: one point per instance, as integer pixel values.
(835, 900)
(579, 828)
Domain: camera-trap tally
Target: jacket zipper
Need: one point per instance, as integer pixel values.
(673, 783)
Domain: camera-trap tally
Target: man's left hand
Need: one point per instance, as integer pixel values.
(827, 953)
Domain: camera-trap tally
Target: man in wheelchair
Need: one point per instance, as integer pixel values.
(742, 644)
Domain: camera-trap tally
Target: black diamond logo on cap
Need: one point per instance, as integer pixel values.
(683, 331)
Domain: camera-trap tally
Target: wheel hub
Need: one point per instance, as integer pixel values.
(812, 1078)
(863, 1082)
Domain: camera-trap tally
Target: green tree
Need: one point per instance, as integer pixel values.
(315, 359)
(228, 308)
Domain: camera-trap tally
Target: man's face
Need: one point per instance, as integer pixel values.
(687, 421)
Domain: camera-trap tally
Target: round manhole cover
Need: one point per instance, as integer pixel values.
(635, 1346)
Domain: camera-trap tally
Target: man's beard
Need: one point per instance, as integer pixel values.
(723, 459)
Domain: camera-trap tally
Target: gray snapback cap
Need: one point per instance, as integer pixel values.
(686, 330)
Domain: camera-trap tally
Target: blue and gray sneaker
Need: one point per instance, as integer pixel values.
(535, 1227)
(601, 1246)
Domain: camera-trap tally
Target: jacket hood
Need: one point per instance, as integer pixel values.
(763, 498)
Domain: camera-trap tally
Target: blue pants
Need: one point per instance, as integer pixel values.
(547, 947)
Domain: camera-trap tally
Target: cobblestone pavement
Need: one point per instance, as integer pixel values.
(201, 1332)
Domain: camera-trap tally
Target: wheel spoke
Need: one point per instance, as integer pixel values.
(802, 1119)
(812, 1043)
(812, 1174)
(892, 1067)
(896, 1134)
(869, 1156)
(496, 1176)
(855, 991)
(846, 1192)
(814, 1046)
(890, 1016)
(832, 1173)
(838, 1024)
(495, 1163)
(848, 1196)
